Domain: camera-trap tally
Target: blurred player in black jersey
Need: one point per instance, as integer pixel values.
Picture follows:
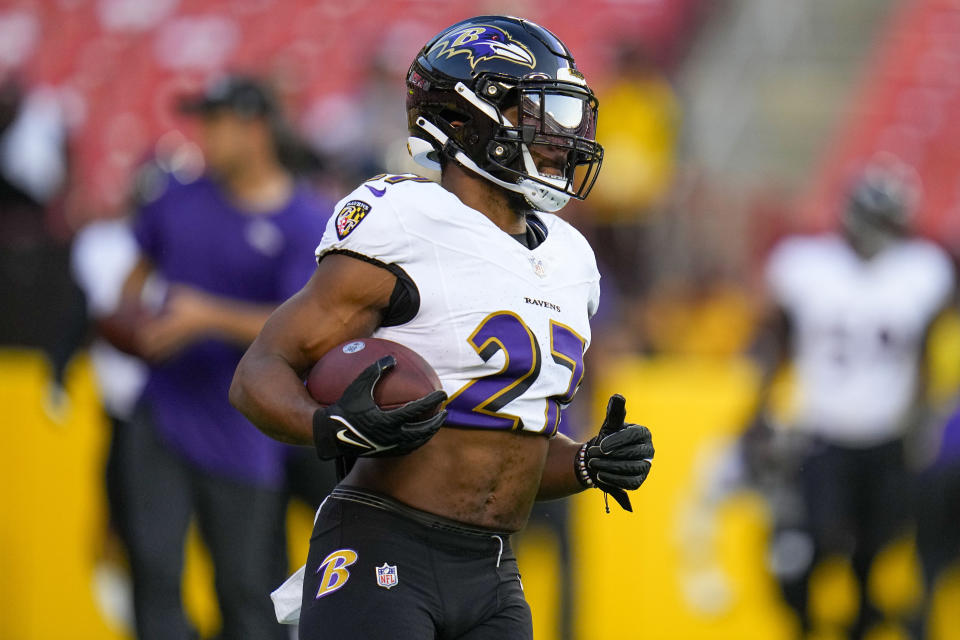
(852, 312)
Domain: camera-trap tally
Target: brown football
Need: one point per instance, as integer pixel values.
(120, 327)
(411, 378)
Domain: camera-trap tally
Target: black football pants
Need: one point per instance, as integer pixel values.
(243, 526)
(936, 504)
(377, 573)
(856, 501)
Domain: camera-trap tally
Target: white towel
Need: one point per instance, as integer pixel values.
(287, 598)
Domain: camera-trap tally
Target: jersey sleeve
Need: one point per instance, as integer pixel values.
(784, 266)
(147, 230)
(367, 226)
(297, 264)
(939, 275)
(594, 302)
(103, 254)
(149, 220)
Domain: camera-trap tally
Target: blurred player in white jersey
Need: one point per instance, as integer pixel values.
(853, 310)
(478, 276)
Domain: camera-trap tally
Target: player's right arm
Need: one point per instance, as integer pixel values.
(771, 346)
(344, 299)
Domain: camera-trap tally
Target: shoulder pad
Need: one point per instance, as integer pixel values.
(366, 223)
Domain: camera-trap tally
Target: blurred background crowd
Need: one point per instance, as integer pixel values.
(728, 127)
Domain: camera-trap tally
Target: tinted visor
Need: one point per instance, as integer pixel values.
(563, 114)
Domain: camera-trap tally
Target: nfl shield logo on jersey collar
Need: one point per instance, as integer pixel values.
(387, 576)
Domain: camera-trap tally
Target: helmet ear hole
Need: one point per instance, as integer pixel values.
(454, 118)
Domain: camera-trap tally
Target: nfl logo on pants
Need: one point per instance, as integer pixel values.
(387, 576)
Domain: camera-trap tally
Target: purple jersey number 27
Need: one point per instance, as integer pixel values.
(480, 402)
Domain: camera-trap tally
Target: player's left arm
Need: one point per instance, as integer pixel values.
(616, 460)
(559, 478)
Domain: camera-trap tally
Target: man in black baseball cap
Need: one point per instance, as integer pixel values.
(241, 131)
(244, 95)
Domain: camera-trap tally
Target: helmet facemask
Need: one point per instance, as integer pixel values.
(546, 142)
(539, 137)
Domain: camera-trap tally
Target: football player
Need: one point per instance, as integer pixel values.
(853, 310)
(478, 276)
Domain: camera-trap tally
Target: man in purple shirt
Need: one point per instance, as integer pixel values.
(224, 250)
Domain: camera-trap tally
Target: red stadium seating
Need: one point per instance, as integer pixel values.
(909, 105)
(125, 61)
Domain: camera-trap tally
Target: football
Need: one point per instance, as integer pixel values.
(120, 327)
(411, 378)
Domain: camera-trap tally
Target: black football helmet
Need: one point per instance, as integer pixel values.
(879, 207)
(503, 98)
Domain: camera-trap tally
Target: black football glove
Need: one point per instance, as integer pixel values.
(355, 426)
(617, 459)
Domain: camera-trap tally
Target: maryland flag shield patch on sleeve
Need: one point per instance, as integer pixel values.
(350, 216)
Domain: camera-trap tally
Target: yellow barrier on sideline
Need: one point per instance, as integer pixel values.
(53, 519)
(53, 523)
(636, 575)
(636, 579)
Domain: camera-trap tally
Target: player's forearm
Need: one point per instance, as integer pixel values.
(559, 477)
(770, 350)
(134, 283)
(271, 395)
(237, 321)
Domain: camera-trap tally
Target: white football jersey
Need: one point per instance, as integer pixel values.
(505, 327)
(858, 330)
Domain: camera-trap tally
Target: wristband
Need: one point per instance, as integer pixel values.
(581, 467)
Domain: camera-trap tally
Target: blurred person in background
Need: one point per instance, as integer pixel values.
(639, 132)
(223, 250)
(42, 305)
(936, 504)
(102, 256)
(852, 312)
